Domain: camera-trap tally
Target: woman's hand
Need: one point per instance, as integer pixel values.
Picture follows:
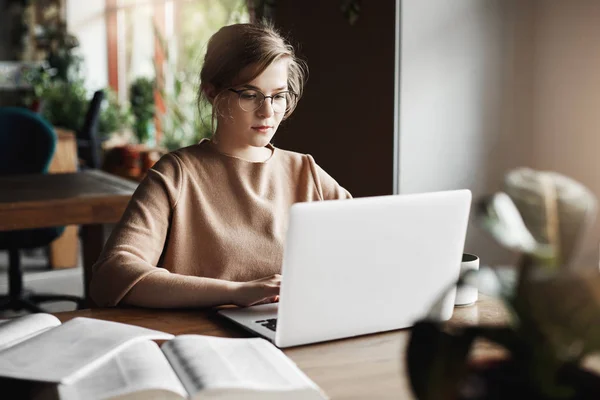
(260, 291)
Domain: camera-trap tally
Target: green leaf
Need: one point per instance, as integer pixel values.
(566, 308)
(178, 85)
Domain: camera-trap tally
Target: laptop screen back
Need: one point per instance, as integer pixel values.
(367, 265)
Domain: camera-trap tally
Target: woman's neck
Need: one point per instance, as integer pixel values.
(247, 152)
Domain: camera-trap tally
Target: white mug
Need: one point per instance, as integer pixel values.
(467, 294)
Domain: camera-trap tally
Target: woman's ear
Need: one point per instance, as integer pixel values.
(210, 92)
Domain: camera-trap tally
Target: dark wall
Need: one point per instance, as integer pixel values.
(345, 119)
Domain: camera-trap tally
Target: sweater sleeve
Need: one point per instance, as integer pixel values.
(136, 243)
(327, 186)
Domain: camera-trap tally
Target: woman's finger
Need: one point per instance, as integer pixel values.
(272, 299)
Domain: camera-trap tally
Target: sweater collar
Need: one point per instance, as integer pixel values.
(210, 145)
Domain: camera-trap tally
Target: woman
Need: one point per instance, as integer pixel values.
(206, 226)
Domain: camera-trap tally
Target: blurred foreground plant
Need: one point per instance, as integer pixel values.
(554, 312)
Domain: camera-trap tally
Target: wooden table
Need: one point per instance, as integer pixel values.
(365, 367)
(90, 198)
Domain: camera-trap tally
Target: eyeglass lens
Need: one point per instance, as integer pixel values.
(252, 100)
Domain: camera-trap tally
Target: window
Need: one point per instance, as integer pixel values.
(166, 40)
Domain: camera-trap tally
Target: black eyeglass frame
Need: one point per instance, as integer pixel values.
(239, 92)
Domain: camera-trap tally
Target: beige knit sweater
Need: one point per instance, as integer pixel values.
(199, 212)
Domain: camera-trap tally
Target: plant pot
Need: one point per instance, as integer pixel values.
(503, 379)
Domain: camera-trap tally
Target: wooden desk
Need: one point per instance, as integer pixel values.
(89, 198)
(366, 367)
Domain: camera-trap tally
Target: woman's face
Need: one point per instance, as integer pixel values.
(242, 128)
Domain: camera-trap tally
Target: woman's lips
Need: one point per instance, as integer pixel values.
(262, 129)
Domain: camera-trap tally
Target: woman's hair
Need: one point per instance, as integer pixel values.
(235, 47)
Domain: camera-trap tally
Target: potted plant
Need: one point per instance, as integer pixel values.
(114, 116)
(61, 51)
(554, 324)
(64, 104)
(141, 98)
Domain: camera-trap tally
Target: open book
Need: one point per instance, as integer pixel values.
(38, 347)
(195, 367)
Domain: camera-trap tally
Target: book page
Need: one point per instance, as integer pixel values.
(139, 370)
(213, 364)
(13, 331)
(70, 350)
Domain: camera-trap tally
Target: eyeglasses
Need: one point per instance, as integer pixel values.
(251, 100)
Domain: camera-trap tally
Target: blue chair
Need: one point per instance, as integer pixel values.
(27, 144)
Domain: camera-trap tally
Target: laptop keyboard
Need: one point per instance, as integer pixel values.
(268, 323)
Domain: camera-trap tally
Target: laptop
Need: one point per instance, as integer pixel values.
(364, 265)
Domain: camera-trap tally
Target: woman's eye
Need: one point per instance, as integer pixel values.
(280, 96)
(248, 96)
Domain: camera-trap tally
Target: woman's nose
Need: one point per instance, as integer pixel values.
(266, 109)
